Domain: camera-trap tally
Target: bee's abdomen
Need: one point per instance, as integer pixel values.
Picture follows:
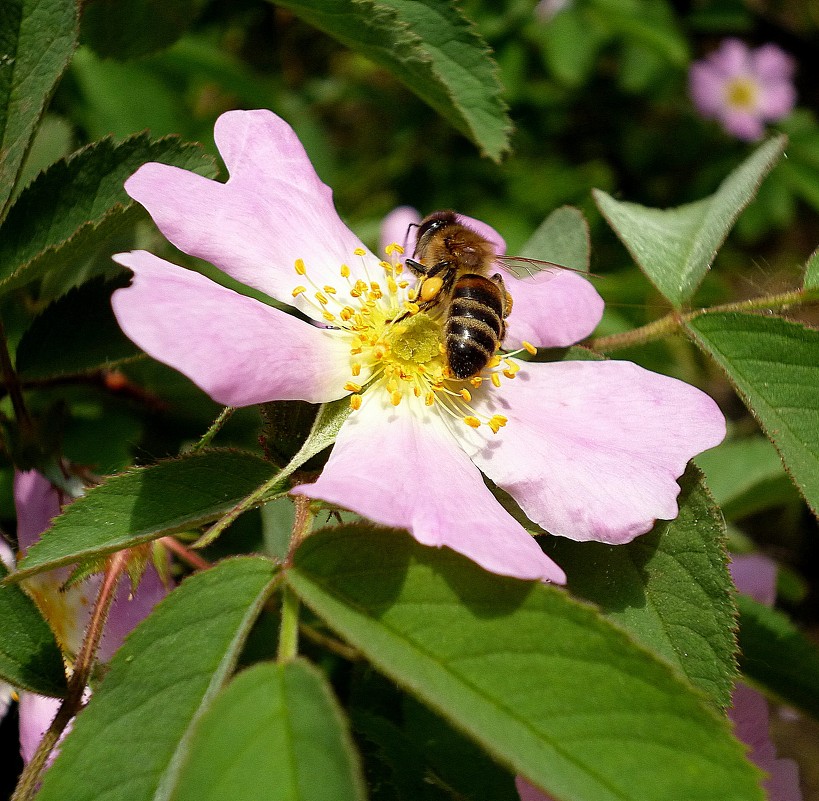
(474, 326)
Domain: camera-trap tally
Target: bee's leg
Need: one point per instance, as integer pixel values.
(416, 268)
(497, 278)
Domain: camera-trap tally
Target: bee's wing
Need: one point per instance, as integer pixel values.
(522, 267)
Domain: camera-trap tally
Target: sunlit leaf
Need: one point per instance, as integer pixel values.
(774, 365)
(562, 238)
(37, 38)
(275, 733)
(543, 682)
(675, 247)
(429, 46)
(128, 742)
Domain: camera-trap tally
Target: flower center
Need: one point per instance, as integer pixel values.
(741, 94)
(397, 349)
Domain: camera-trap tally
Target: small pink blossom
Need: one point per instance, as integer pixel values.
(743, 88)
(589, 450)
(67, 611)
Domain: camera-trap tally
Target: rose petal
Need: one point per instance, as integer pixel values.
(235, 348)
(776, 100)
(592, 450)
(395, 228)
(5, 698)
(273, 210)
(552, 309)
(707, 89)
(743, 125)
(755, 574)
(772, 63)
(484, 230)
(37, 502)
(7, 555)
(36, 714)
(732, 58)
(450, 506)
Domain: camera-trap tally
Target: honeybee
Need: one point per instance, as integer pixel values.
(453, 263)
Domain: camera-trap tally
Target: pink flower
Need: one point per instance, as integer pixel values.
(590, 450)
(67, 611)
(743, 88)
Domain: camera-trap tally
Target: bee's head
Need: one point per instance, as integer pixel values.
(430, 225)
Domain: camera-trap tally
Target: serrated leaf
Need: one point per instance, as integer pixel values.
(774, 365)
(76, 334)
(543, 682)
(37, 38)
(777, 656)
(145, 503)
(430, 47)
(275, 733)
(812, 271)
(29, 655)
(670, 589)
(76, 205)
(124, 29)
(128, 742)
(675, 247)
(562, 238)
(746, 476)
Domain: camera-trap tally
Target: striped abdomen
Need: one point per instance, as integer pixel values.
(474, 327)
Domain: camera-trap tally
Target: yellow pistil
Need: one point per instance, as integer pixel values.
(742, 93)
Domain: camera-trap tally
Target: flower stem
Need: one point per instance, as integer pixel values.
(289, 630)
(208, 436)
(675, 320)
(83, 666)
(185, 554)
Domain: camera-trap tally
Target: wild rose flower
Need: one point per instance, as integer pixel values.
(590, 450)
(67, 611)
(743, 88)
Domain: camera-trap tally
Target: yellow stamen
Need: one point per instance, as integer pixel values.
(430, 398)
(355, 402)
(300, 268)
(529, 347)
(472, 421)
(395, 398)
(345, 271)
(360, 252)
(495, 379)
(464, 393)
(476, 381)
(330, 290)
(321, 298)
(356, 368)
(299, 290)
(329, 316)
(351, 386)
(509, 373)
(494, 361)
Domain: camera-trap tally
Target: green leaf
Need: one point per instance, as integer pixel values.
(275, 733)
(146, 503)
(774, 365)
(670, 589)
(72, 209)
(124, 29)
(571, 42)
(777, 656)
(543, 682)
(746, 476)
(812, 271)
(37, 38)
(76, 334)
(432, 48)
(29, 655)
(562, 238)
(675, 247)
(129, 741)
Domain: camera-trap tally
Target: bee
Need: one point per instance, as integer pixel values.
(453, 263)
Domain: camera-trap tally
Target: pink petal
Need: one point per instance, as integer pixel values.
(395, 228)
(732, 58)
(380, 445)
(5, 698)
(7, 555)
(486, 231)
(592, 450)
(529, 792)
(36, 714)
(772, 63)
(37, 502)
(235, 348)
(755, 574)
(552, 309)
(273, 210)
(707, 88)
(130, 609)
(743, 125)
(750, 717)
(776, 100)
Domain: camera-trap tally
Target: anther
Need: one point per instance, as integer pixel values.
(321, 298)
(345, 271)
(464, 393)
(496, 380)
(476, 381)
(395, 398)
(494, 361)
(429, 399)
(351, 386)
(330, 290)
(509, 373)
(355, 401)
(360, 252)
(300, 268)
(299, 290)
(356, 368)
(329, 316)
(529, 347)
(471, 421)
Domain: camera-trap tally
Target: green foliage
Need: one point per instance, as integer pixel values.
(777, 656)
(670, 589)
(146, 503)
(274, 733)
(522, 668)
(431, 48)
(159, 683)
(37, 38)
(675, 247)
(562, 238)
(773, 365)
(29, 656)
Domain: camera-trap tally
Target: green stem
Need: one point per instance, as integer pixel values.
(289, 630)
(674, 320)
(83, 667)
(208, 436)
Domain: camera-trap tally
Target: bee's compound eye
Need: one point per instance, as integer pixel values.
(430, 288)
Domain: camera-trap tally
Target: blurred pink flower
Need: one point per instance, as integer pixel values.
(590, 450)
(742, 88)
(67, 611)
